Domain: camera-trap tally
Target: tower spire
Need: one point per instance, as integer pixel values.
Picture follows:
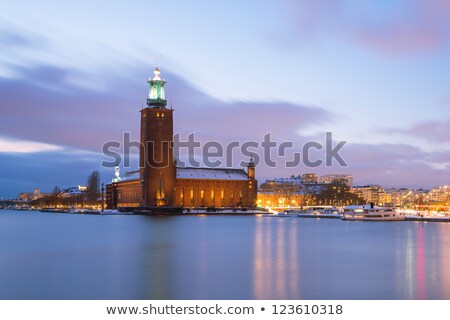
(156, 96)
(157, 59)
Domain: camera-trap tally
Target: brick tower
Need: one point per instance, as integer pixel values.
(156, 162)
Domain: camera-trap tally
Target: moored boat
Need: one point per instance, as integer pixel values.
(371, 213)
(283, 214)
(318, 212)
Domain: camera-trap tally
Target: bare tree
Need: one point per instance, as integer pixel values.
(93, 187)
(56, 190)
(54, 199)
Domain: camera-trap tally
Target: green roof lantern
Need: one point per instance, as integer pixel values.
(156, 95)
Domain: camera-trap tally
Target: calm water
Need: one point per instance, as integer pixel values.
(58, 256)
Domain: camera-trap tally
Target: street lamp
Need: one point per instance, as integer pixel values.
(103, 197)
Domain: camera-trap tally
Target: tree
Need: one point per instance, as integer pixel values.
(54, 198)
(338, 193)
(93, 187)
(56, 190)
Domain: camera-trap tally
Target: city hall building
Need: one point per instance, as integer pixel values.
(160, 183)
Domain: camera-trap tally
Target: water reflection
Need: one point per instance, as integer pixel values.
(49, 256)
(444, 262)
(420, 262)
(427, 261)
(155, 270)
(275, 260)
(409, 269)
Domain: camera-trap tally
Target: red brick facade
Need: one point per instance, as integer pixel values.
(158, 170)
(189, 193)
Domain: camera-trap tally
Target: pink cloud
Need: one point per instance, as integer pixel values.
(425, 28)
(416, 26)
(432, 131)
(396, 165)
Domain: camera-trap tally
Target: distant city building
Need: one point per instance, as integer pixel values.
(297, 180)
(308, 189)
(309, 178)
(370, 194)
(29, 196)
(37, 193)
(330, 178)
(74, 191)
(281, 192)
(311, 189)
(25, 196)
(399, 197)
(439, 194)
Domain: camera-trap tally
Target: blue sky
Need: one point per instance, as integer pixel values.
(376, 74)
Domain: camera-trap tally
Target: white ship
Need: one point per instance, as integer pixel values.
(371, 213)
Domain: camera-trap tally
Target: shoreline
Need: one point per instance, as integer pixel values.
(254, 212)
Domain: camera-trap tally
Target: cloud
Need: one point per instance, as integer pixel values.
(394, 165)
(10, 39)
(22, 172)
(43, 105)
(18, 146)
(431, 131)
(395, 28)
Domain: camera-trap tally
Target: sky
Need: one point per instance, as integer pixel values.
(374, 73)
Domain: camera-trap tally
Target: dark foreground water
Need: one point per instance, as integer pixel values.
(61, 256)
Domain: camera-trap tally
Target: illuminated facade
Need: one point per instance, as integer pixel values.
(330, 178)
(160, 183)
(370, 194)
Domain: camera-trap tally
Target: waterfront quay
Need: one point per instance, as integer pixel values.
(157, 211)
(329, 212)
(302, 214)
(407, 218)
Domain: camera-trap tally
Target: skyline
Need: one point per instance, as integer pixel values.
(374, 75)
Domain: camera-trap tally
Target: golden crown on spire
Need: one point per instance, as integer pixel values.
(156, 72)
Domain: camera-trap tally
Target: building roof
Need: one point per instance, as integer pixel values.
(130, 175)
(212, 173)
(200, 173)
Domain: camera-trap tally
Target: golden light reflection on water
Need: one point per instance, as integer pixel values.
(445, 263)
(409, 269)
(420, 268)
(427, 262)
(275, 262)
